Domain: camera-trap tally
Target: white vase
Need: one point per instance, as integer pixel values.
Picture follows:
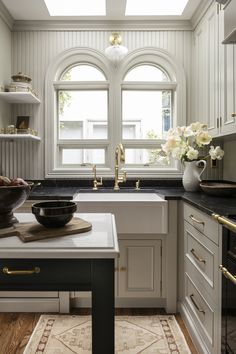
(191, 176)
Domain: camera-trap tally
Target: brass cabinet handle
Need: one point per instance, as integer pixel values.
(196, 221)
(233, 115)
(195, 305)
(197, 257)
(227, 274)
(36, 270)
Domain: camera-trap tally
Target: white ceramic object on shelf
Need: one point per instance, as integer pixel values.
(192, 174)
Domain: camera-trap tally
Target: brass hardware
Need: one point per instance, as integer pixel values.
(115, 38)
(197, 257)
(137, 188)
(233, 115)
(119, 158)
(227, 274)
(36, 270)
(195, 220)
(224, 221)
(195, 305)
(96, 183)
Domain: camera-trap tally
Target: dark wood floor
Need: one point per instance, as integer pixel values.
(16, 328)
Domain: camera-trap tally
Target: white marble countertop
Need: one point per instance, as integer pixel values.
(100, 242)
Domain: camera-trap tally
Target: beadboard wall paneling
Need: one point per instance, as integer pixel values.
(5, 74)
(32, 53)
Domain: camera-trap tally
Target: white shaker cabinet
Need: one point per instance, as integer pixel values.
(139, 268)
(205, 72)
(227, 82)
(214, 75)
(200, 303)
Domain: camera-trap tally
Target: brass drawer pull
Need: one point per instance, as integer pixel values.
(227, 274)
(196, 221)
(197, 257)
(36, 270)
(233, 115)
(195, 305)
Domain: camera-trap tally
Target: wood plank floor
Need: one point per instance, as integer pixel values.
(16, 328)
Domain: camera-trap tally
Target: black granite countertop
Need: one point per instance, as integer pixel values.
(202, 201)
(49, 193)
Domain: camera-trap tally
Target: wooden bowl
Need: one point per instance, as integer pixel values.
(218, 188)
(55, 213)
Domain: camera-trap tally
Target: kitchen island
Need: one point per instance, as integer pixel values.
(81, 262)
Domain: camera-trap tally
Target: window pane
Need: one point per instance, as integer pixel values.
(83, 73)
(82, 114)
(146, 114)
(141, 156)
(82, 156)
(146, 73)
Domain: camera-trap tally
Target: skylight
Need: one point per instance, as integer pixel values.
(155, 7)
(76, 7)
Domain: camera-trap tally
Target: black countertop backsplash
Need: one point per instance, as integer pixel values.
(170, 190)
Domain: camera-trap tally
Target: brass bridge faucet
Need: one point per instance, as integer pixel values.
(96, 183)
(119, 158)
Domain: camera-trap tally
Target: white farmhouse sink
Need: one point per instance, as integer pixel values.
(135, 213)
(118, 197)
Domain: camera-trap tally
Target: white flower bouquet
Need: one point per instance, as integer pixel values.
(184, 144)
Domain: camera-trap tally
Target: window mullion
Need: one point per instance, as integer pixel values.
(149, 86)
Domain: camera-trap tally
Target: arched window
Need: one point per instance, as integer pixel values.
(151, 104)
(92, 106)
(82, 115)
(78, 96)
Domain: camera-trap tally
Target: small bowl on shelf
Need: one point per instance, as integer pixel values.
(54, 213)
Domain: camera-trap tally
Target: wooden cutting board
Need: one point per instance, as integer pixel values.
(34, 231)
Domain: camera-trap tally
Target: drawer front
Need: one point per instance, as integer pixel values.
(202, 222)
(201, 312)
(202, 259)
(44, 274)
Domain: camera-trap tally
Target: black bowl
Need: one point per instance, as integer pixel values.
(55, 213)
(11, 198)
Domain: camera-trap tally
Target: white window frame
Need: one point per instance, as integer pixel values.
(58, 66)
(170, 65)
(114, 84)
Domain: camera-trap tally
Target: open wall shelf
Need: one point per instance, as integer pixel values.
(19, 97)
(19, 137)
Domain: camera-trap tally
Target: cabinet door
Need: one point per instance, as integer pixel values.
(139, 272)
(227, 55)
(206, 71)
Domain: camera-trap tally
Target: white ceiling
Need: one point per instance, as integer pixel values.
(29, 10)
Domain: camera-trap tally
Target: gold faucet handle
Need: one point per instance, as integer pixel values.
(99, 183)
(94, 172)
(124, 176)
(137, 188)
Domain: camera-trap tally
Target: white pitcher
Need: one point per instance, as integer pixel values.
(191, 176)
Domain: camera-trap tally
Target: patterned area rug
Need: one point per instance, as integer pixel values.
(67, 334)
